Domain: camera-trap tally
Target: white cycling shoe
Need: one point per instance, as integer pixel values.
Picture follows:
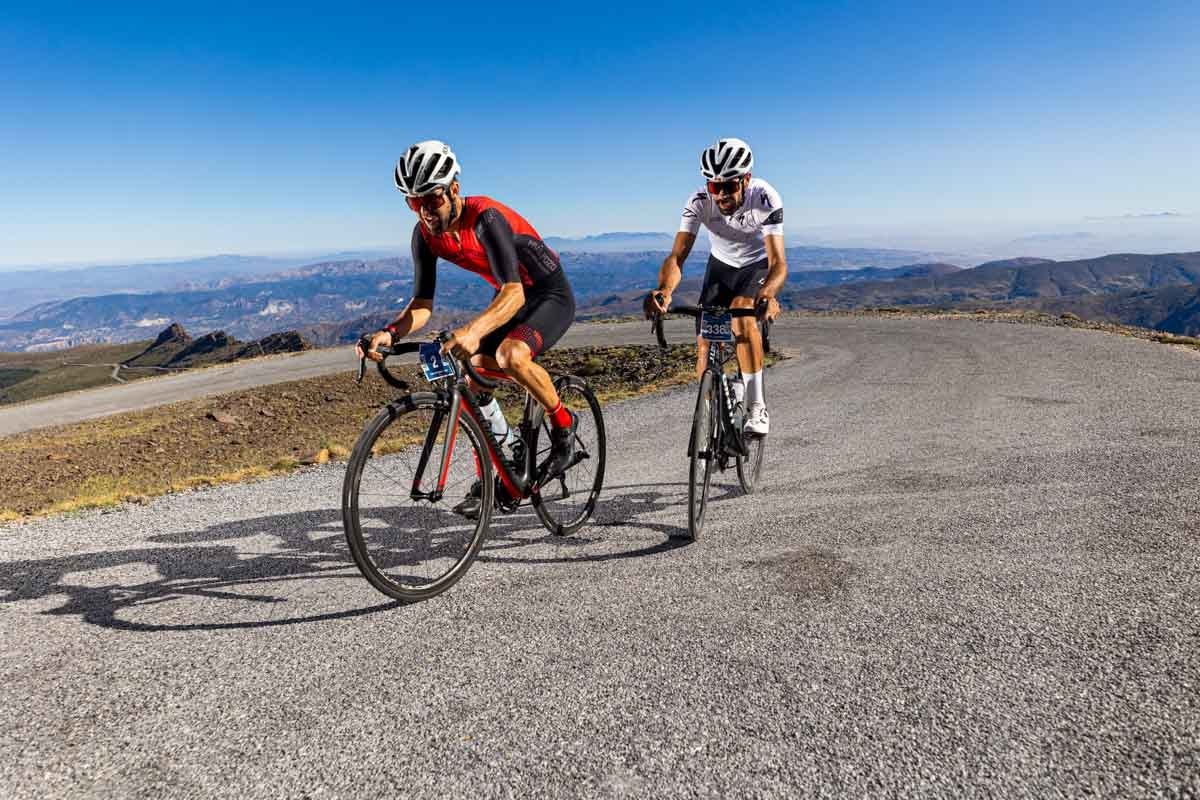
(758, 423)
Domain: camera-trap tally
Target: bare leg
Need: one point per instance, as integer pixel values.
(749, 341)
(701, 356)
(516, 359)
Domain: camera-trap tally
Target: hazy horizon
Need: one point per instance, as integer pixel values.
(1157, 232)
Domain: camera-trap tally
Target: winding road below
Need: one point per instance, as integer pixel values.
(972, 571)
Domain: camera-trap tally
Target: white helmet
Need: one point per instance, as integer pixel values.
(426, 166)
(728, 158)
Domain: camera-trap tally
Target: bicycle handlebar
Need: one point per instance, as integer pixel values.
(403, 348)
(656, 324)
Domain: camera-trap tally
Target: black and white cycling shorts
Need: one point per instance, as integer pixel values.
(723, 283)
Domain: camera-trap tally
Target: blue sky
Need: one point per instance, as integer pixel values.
(138, 132)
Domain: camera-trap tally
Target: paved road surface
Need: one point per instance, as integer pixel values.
(972, 572)
(156, 391)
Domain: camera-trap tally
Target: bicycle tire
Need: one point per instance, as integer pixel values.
(702, 453)
(749, 466)
(560, 517)
(375, 549)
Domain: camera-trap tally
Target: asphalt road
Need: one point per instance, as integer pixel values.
(971, 572)
(160, 390)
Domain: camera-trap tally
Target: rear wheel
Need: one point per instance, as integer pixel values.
(412, 548)
(565, 503)
(702, 452)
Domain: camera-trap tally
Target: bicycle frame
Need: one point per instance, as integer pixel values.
(458, 398)
(719, 354)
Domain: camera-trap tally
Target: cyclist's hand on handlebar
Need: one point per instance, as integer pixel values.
(379, 339)
(656, 302)
(768, 308)
(462, 343)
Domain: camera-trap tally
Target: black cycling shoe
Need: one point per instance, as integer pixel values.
(470, 505)
(562, 449)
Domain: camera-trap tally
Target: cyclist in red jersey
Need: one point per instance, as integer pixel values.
(533, 306)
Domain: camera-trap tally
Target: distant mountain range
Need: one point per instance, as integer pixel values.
(630, 302)
(22, 289)
(1175, 309)
(313, 295)
(1013, 280)
(333, 301)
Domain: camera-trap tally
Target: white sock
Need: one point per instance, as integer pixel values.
(754, 388)
(496, 421)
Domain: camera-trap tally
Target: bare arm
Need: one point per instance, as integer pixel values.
(504, 306)
(776, 274)
(414, 317)
(671, 271)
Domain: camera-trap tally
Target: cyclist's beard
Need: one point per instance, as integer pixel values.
(434, 226)
(439, 225)
(727, 205)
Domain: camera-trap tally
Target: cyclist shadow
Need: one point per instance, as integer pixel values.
(215, 564)
(632, 512)
(303, 547)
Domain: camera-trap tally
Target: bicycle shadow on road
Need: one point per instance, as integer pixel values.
(297, 547)
(619, 508)
(304, 547)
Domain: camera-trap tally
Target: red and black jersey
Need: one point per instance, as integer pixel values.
(493, 241)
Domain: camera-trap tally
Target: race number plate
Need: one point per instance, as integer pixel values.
(433, 363)
(716, 327)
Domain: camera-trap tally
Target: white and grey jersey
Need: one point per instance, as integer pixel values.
(737, 239)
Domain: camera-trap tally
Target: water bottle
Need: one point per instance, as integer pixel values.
(495, 420)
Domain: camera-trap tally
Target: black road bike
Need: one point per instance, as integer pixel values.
(420, 456)
(717, 440)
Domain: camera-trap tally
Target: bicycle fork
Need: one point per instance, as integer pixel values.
(435, 427)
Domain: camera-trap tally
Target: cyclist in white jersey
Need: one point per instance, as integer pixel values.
(746, 263)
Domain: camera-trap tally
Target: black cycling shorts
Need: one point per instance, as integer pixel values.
(723, 283)
(548, 311)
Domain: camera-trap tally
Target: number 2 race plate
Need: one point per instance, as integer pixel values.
(433, 363)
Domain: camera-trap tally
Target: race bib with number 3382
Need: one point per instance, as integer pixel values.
(716, 327)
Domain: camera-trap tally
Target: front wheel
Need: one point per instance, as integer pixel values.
(402, 500)
(566, 502)
(750, 465)
(702, 452)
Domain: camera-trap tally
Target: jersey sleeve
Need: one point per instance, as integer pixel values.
(496, 236)
(424, 266)
(771, 212)
(693, 213)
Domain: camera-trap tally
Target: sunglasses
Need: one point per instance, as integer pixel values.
(726, 187)
(429, 202)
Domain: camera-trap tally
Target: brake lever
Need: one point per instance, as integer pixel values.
(656, 324)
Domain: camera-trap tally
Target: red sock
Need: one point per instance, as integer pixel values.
(560, 417)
